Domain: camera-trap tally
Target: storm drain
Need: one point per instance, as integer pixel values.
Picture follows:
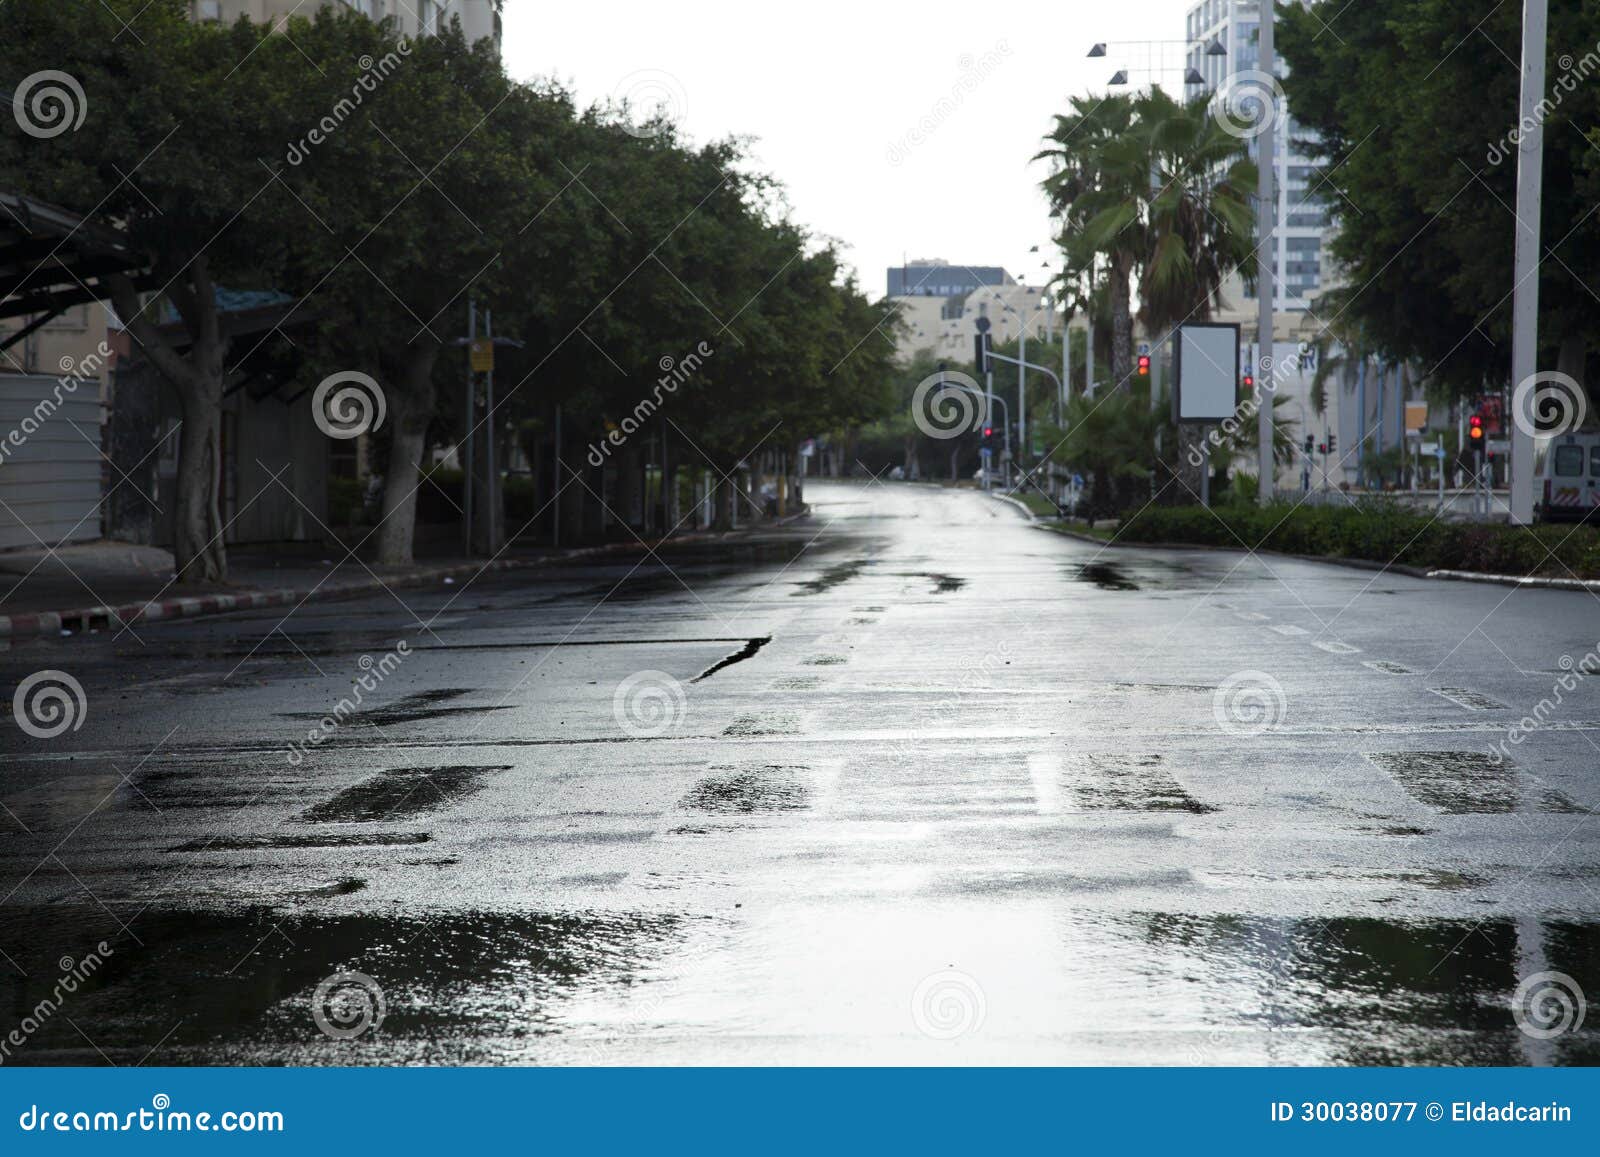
(401, 793)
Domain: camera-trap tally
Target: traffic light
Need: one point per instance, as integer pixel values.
(988, 437)
(1249, 381)
(1333, 443)
(1144, 365)
(981, 344)
(1310, 442)
(1475, 429)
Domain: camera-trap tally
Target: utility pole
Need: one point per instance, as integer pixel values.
(1267, 252)
(1022, 389)
(1525, 293)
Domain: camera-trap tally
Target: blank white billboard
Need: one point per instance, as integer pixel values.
(1207, 369)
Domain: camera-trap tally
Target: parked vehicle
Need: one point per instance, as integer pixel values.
(1568, 476)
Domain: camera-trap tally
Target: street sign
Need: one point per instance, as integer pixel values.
(808, 448)
(1499, 445)
(482, 352)
(1416, 417)
(985, 453)
(1430, 450)
(982, 324)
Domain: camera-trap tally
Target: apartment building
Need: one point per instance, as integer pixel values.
(479, 18)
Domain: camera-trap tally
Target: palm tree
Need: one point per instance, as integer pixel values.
(1097, 170)
(1200, 222)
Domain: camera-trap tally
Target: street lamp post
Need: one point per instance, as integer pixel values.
(1525, 295)
(1266, 257)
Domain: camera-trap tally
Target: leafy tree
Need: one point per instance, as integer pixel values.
(1423, 188)
(146, 161)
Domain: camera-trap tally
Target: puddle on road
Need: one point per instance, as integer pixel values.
(1104, 781)
(1165, 688)
(1465, 782)
(826, 660)
(98, 789)
(942, 583)
(401, 793)
(213, 988)
(330, 840)
(840, 572)
(750, 789)
(1104, 575)
(415, 708)
(1383, 992)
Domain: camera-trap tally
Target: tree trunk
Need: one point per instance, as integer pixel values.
(197, 546)
(197, 549)
(410, 411)
(723, 504)
(1121, 326)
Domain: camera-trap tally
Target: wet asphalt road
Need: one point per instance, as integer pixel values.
(949, 789)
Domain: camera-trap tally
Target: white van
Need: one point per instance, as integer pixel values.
(1569, 473)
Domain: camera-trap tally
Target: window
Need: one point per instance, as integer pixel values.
(1594, 460)
(1569, 461)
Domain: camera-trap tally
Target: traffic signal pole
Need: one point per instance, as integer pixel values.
(1525, 292)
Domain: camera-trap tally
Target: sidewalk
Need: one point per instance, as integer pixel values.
(100, 585)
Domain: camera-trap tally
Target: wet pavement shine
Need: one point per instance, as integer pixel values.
(910, 781)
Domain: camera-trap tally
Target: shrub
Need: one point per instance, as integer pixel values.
(1377, 531)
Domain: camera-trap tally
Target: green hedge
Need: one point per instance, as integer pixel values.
(1378, 531)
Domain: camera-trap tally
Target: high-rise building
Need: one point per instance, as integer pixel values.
(1302, 211)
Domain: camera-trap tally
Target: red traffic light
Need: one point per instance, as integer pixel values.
(988, 431)
(1249, 381)
(1144, 365)
(1475, 428)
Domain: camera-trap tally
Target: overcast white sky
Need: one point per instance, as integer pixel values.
(832, 90)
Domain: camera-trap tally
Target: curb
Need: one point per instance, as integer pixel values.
(1355, 563)
(83, 619)
(1511, 580)
(1018, 503)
